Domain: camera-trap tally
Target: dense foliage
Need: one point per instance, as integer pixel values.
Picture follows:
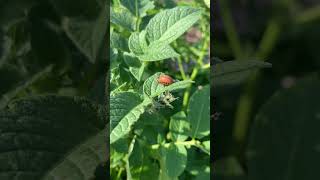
(53, 58)
(160, 127)
(265, 127)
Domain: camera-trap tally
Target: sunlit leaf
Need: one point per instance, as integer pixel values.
(179, 126)
(174, 159)
(199, 112)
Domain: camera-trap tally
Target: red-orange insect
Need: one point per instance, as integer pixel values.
(165, 80)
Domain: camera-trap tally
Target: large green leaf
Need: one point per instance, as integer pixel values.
(87, 35)
(179, 126)
(123, 18)
(38, 132)
(174, 160)
(125, 110)
(233, 72)
(151, 87)
(170, 24)
(157, 52)
(284, 141)
(138, 7)
(199, 112)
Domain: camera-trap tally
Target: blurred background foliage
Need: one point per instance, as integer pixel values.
(50, 47)
(284, 33)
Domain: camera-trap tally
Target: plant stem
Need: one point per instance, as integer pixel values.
(230, 29)
(192, 142)
(183, 74)
(269, 39)
(245, 104)
(195, 71)
(119, 173)
(308, 15)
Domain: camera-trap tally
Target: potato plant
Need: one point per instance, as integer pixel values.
(159, 90)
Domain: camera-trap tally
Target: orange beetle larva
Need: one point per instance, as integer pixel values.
(165, 80)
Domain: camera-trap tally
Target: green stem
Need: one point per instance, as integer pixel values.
(192, 142)
(137, 16)
(308, 15)
(269, 39)
(119, 173)
(183, 74)
(245, 104)
(230, 29)
(195, 71)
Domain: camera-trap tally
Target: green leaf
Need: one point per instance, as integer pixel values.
(151, 87)
(285, 134)
(142, 166)
(138, 7)
(179, 126)
(199, 112)
(135, 66)
(84, 158)
(122, 17)
(204, 174)
(174, 160)
(137, 43)
(125, 110)
(118, 42)
(197, 162)
(234, 72)
(157, 52)
(39, 132)
(168, 25)
(87, 35)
